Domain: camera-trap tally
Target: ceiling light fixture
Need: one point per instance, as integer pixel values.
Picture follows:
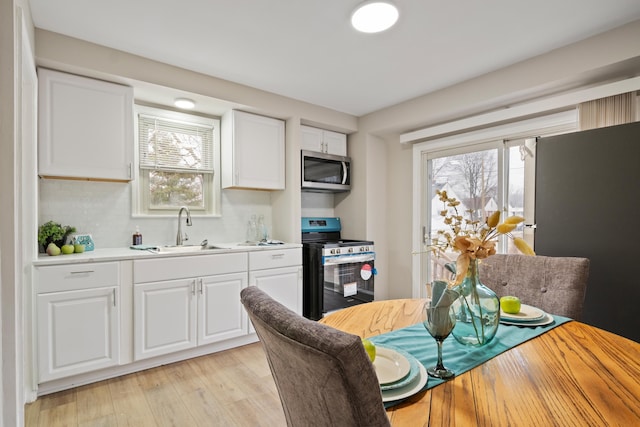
(184, 103)
(374, 16)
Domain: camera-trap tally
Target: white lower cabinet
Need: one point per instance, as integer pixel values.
(282, 284)
(164, 318)
(96, 315)
(78, 319)
(279, 274)
(220, 313)
(178, 314)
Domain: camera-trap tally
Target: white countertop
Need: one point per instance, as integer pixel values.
(120, 254)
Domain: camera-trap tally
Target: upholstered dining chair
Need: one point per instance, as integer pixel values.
(323, 375)
(556, 285)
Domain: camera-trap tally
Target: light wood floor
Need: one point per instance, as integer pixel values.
(229, 388)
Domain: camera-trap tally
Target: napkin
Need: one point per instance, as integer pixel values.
(441, 299)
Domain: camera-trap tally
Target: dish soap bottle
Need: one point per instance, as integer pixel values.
(137, 236)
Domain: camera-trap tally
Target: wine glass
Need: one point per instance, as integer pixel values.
(439, 322)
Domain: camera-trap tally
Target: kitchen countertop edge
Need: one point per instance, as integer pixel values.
(124, 254)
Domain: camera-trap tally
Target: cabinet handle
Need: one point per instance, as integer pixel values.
(193, 287)
(82, 272)
(114, 297)
(201, 287)
(277, 256)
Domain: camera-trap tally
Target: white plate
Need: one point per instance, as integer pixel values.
(413, 372)
(527, 313)
(390, 365)
(410, 389)
(546, 320)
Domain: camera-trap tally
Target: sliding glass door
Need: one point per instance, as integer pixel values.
(484, 178)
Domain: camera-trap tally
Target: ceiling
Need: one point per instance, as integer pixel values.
(306, 49)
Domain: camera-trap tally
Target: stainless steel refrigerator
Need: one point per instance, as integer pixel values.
(588, 205)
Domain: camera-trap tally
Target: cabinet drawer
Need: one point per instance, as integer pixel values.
(77, 276)
(259, 260)
(154, 270)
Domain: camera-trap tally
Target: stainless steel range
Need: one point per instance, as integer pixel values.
(338, 272)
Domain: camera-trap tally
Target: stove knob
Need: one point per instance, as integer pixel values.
(337, 251)
(350, 249)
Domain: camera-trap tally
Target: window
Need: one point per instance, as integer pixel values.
(177, 162)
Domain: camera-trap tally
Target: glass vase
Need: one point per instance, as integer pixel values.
(477, 310)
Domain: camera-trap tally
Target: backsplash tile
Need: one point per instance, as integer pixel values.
(103, 209)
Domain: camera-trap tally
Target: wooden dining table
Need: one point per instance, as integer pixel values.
(572, 375)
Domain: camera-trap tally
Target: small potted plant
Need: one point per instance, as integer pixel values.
(53, 232)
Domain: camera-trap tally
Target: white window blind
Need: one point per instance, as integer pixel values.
(174, 145)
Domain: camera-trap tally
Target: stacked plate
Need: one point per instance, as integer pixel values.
(528, 316)
(400, 374)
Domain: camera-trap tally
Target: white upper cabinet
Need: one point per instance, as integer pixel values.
(324, 141)
(85, 128)
(252, 151)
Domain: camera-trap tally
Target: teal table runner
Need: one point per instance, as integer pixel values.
(459, 358)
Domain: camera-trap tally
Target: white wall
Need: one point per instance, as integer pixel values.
(611, 55)
(379, 206)
(16, 35)
(77, 56)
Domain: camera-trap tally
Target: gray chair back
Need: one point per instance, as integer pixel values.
(557, 285)
(323, 375)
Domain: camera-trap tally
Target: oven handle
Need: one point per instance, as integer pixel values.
(348, 259)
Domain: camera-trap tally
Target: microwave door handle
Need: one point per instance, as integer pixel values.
(344, 173)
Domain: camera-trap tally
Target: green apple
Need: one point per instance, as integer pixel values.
(510, 304)
(53, 249)
(78, 248)
(370, 348)
(67, 249)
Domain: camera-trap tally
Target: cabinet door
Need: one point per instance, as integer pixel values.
(257, 147)
(335, 143)
(78, 331)
(164, 319)
(311, 139)
(282, 284)
(324, 141)
(85, 127)
(220, 313)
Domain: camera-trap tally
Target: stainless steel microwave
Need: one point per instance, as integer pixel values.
(323, 172)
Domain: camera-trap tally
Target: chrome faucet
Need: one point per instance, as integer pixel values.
(180, 238)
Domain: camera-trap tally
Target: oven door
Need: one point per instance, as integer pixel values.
(348, 280)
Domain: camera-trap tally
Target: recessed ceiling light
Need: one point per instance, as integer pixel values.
(184, 103)
(374, 16)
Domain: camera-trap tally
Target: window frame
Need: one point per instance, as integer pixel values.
(140, 197)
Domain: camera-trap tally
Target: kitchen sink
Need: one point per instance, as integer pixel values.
(187, 248)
